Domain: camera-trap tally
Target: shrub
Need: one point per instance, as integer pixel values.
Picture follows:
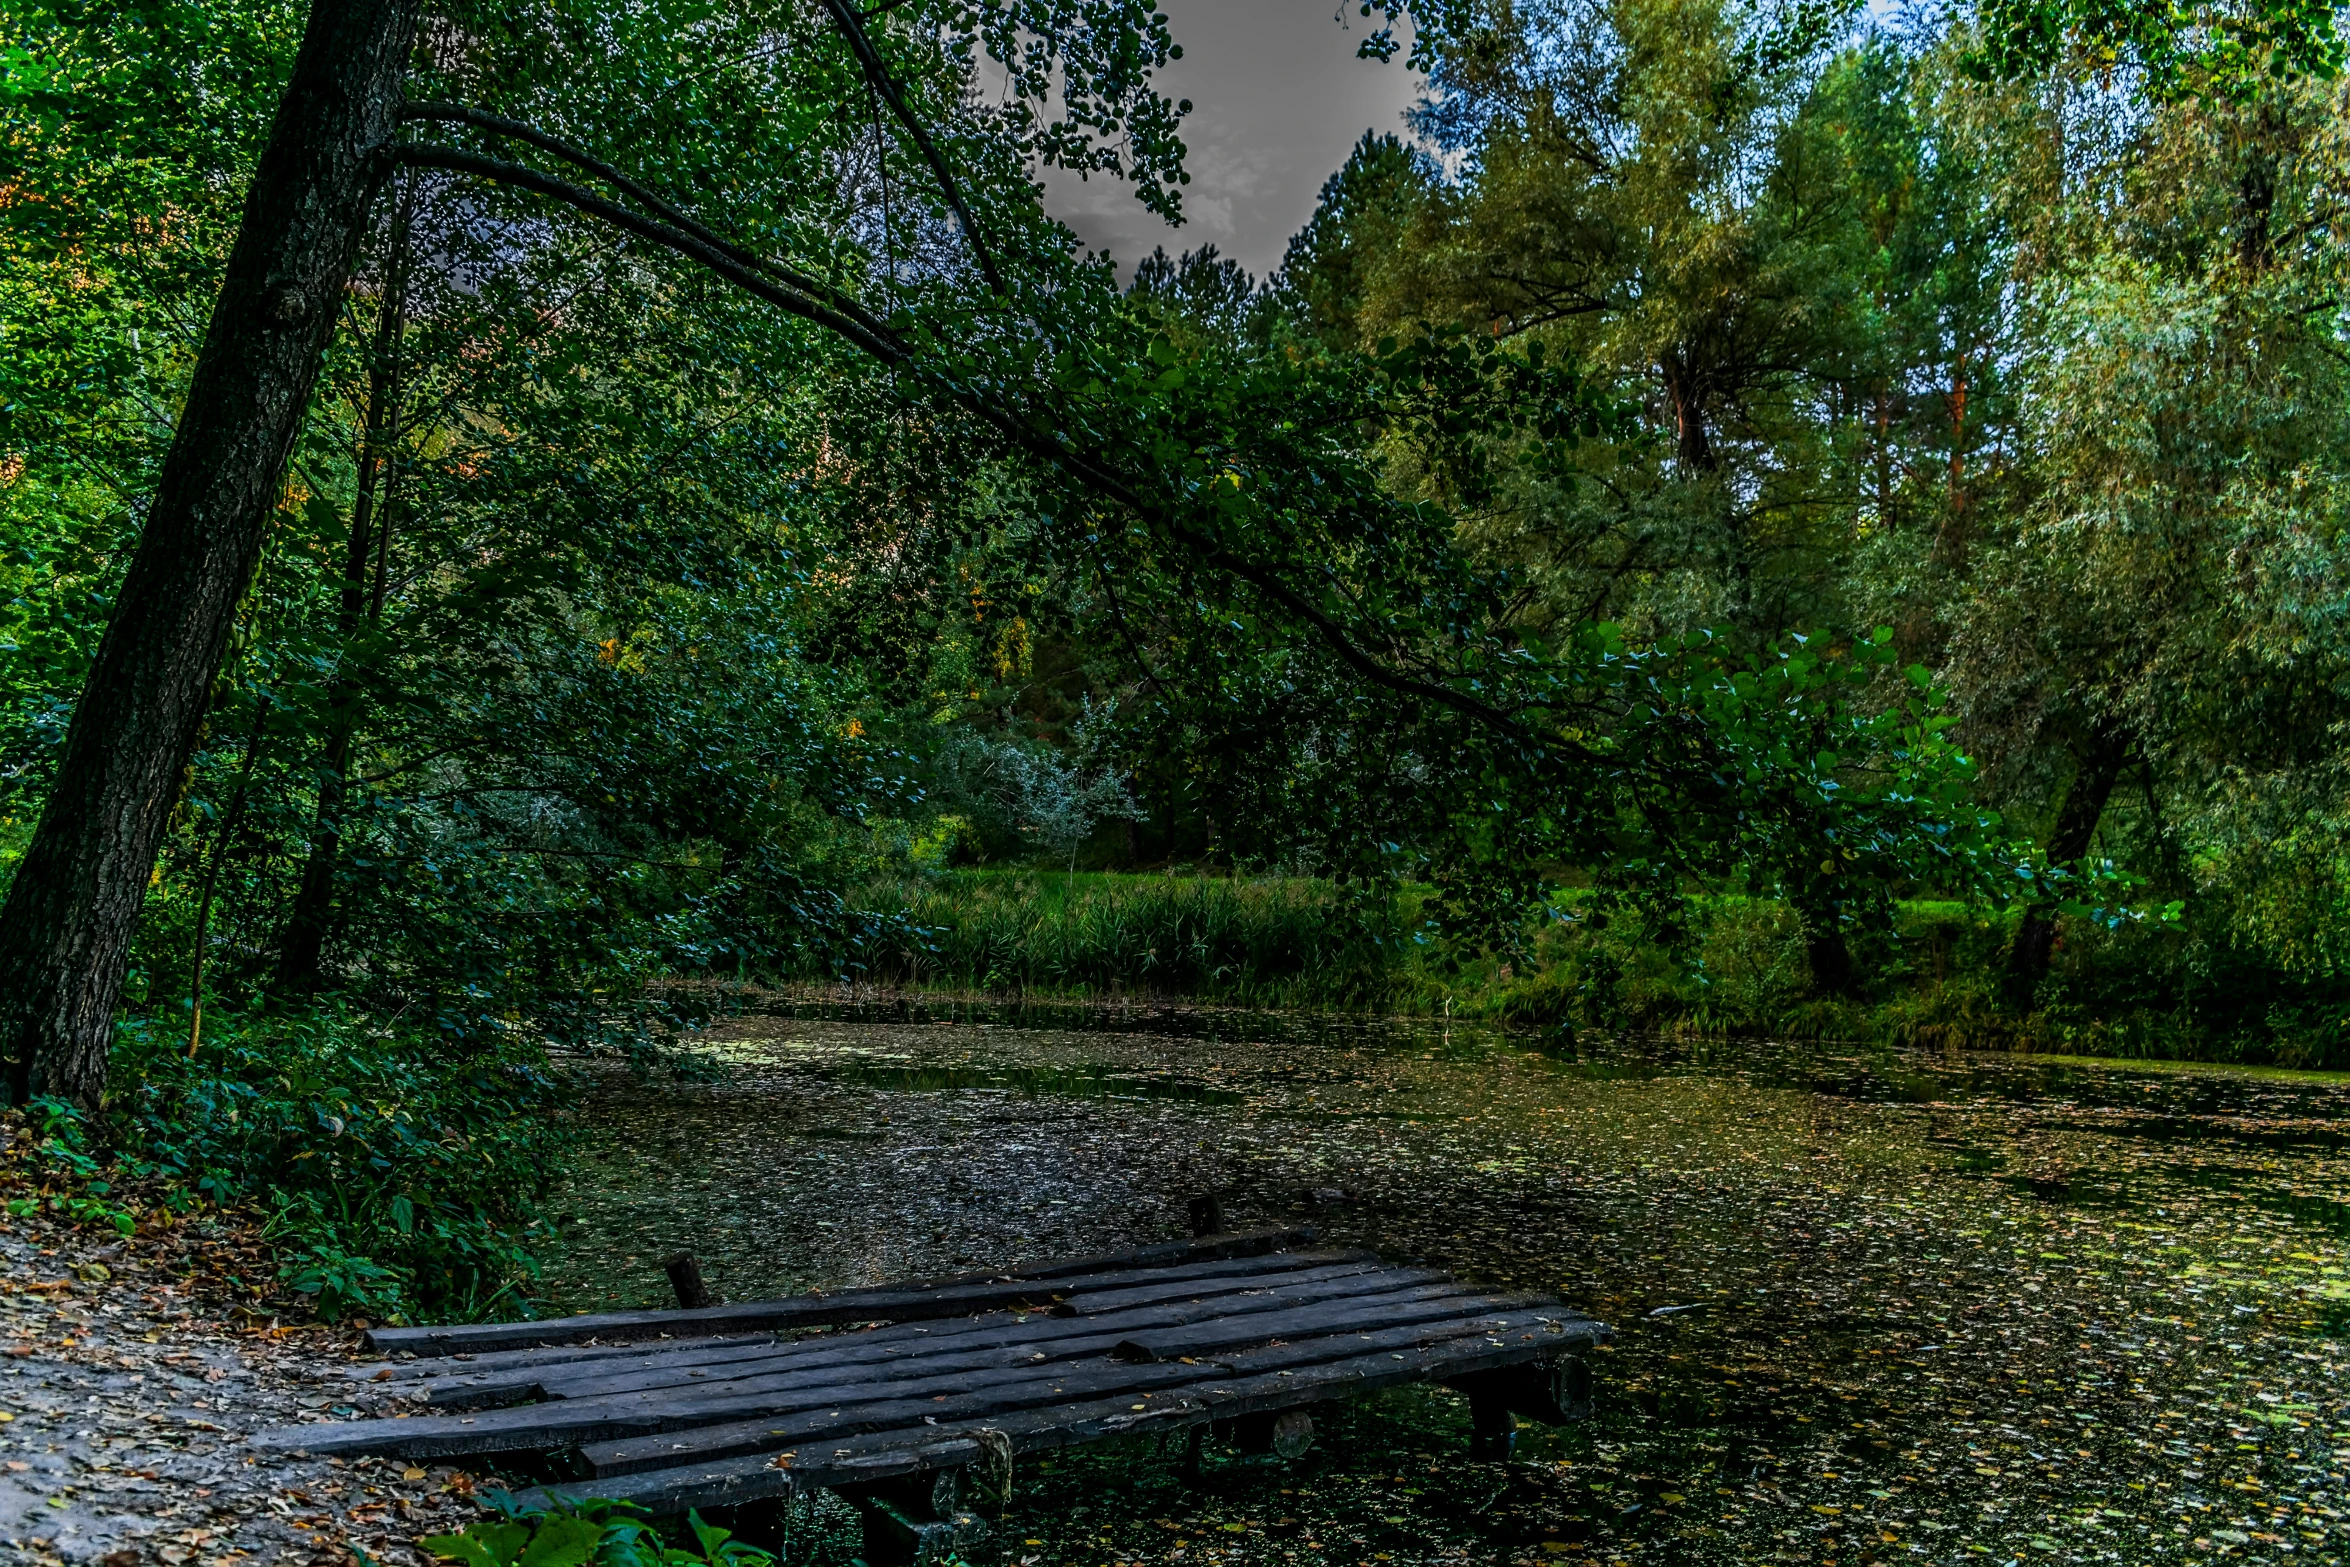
(1276, 942)
(588, 1534)
(396, 1174)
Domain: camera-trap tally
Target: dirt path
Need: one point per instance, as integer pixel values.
(127, 1388)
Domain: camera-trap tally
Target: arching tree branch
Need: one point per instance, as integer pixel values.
(1093, 471)
(643, 196)
(869, 60)
(873, 339)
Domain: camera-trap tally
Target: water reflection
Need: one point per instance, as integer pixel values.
(1945, 1305)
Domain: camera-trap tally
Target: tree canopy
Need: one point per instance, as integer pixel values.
(1725, 447)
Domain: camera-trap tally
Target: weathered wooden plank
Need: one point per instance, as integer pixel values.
(528, 1379)
(527, 1382)
(953, 1297)
(499, 1362)
(1048, 1334)
(975, 1395)
(539, 1426)
(962, 1333)
(1077, 1382)
(946, 1388)
(1418, 1303)
(1109, 1296)
(1267, 1387)
(1243, 1243)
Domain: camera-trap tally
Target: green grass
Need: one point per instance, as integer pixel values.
(2181, 992)
(1286, 942)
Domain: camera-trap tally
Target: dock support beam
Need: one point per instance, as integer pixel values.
(1550, 1392)
(915, 1521)
(1284, 1435)
(685, 1278)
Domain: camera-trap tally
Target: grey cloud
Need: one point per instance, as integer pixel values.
(1278, 99)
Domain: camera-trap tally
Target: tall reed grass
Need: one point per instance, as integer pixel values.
(1272, 942)
(1935, 978)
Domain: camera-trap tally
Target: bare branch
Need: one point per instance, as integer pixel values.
(643, 196)
(874, 340)
(853, 29)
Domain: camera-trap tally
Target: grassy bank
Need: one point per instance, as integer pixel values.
(395, 1168)
(1275, 942)
(2175, 992)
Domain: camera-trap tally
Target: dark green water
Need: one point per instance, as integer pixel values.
(1948, 1308)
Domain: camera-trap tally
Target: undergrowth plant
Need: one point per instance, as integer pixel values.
(1934, 976)
(1284, 941)
(57, 1173)
(397, 1174)
(587, 1534)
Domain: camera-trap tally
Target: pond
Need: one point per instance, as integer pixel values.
(1873, 1307)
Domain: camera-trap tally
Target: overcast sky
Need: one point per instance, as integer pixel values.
(1277, 99)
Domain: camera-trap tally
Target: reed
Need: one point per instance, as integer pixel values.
(1934, 979)
(1266, 942)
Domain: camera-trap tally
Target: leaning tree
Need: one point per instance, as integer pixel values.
(1239, 485)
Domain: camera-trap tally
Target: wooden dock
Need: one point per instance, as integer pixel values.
(917, 1383)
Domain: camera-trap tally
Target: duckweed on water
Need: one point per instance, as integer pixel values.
(1935, 1308)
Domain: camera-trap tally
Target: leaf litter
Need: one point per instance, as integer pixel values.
(1874, 1307)
(131, 1368)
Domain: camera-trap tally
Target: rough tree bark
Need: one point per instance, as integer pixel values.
(2076, 824)
(1685, 388)
(66, 928)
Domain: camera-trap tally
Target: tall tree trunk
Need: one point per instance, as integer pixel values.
(1692, 445)
(1832, 970)
(1884, 456)
(303, 944)
(2076, 825)
(1950, 541)
(66, 928)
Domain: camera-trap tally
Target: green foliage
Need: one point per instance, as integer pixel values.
(1770, 468)
(396, 1174)
(512, 786)
(69, 1180)
(1263, 941)
(1934, 977)
(2235, 49)
(587, 1534)
(1731, 964)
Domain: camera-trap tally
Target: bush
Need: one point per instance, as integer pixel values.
(397, 1175)
(590, 1534)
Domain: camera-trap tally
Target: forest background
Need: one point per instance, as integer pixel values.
(1956, 435)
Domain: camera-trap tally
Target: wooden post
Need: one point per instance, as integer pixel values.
(685, 1277)
(1284, 1435)
(1493, 1430)
(1552, 1392)
(915, 1521)
(1549, 1392)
